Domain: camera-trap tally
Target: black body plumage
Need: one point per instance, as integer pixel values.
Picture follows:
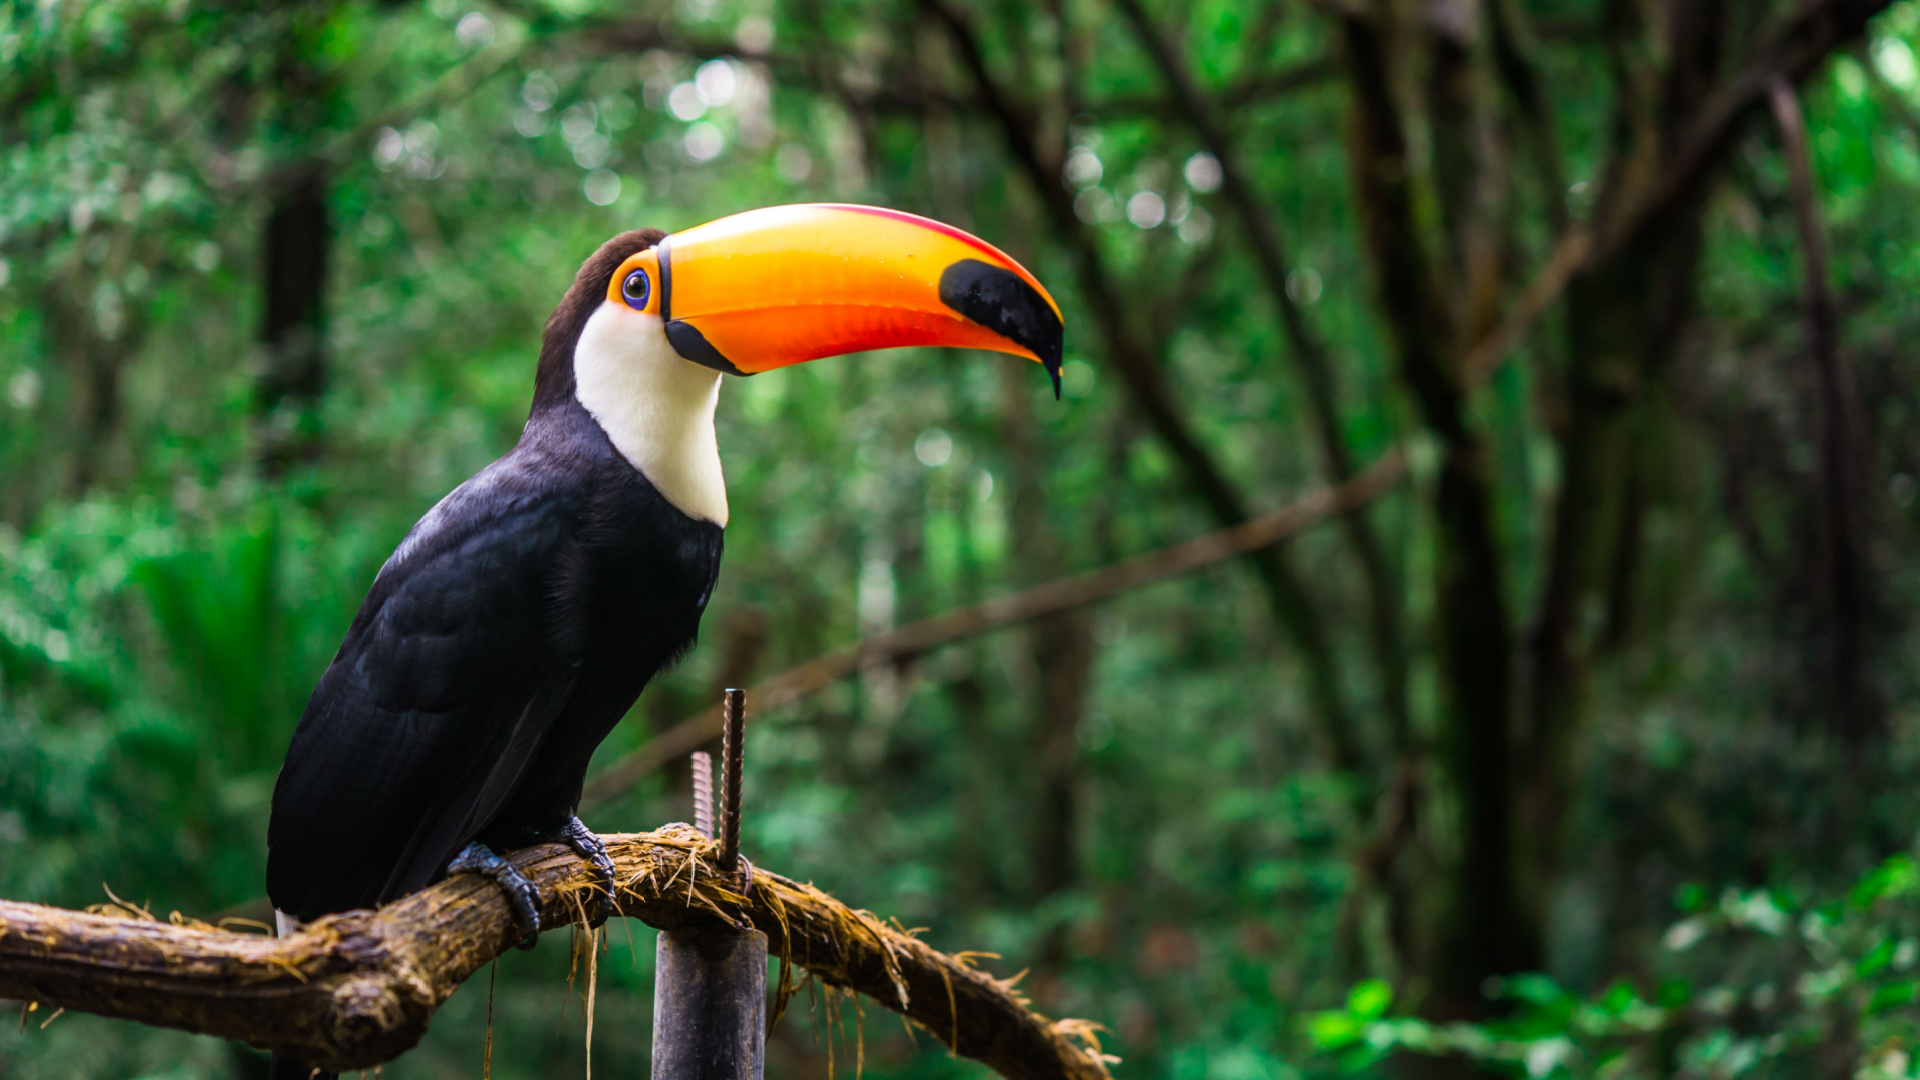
(499, 645)
(501, 642)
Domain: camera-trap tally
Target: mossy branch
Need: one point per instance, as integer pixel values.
(357, 989)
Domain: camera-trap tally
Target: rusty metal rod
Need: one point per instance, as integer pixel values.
(703, 793)
(733, 750)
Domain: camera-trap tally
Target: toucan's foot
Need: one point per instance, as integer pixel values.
(522, 897)
(583, 840)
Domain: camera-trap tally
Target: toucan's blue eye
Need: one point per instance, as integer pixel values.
(636, 289)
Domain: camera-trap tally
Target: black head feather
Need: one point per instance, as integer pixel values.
(553, 381)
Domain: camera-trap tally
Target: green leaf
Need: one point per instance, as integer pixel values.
(1875, 961)
(1673, 993)
(1536, 989)
(1369, 1000)
(1891, 878)
(1889, 995)
(1332, 1030)
(1619, 997)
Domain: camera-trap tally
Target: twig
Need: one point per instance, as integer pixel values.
(354, 990)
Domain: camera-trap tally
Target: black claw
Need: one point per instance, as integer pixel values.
(583, 840)
(522, 897)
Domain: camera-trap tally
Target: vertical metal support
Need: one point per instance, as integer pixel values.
(733, 748)
(710, 1005)
(710, 984)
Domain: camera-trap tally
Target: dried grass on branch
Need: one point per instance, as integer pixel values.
(357, 989)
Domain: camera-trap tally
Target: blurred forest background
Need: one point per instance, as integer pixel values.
(1585, 749)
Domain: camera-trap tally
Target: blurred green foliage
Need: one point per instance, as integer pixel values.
(1757, 983)
(1178, 862)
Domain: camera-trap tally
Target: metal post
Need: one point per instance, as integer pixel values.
(710, 985)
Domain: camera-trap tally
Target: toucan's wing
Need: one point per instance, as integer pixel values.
(448, 679)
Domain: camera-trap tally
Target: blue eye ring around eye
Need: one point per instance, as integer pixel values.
(636, 289)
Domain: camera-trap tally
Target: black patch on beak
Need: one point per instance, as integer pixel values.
(1004, 303)
(691, 344)
(686, 339)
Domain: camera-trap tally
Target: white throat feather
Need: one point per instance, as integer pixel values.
(655, 406)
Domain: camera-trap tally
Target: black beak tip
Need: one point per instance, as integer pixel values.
(1001, 301)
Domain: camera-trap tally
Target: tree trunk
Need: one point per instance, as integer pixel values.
(1478, 929)
(293, 333)
(1857, 716)
(1625, 317)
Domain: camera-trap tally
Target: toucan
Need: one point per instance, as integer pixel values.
(519, 620)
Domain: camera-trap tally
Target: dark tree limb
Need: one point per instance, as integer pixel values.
(298, 236)
(1791, 51)
(354, 990)
(1841, 474)
(1481, 932)
(1627, 304)
(1025, 606)
(1260, 89)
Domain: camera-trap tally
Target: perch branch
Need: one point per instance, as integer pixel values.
(354, 990)
(1025, 606)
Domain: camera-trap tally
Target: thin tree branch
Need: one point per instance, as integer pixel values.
(1261, 89)
(1027, 605)
(354, 990)
(1569, 257)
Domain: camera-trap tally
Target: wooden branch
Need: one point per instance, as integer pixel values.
(358, 989)
(1568, 257)
(1025, 606)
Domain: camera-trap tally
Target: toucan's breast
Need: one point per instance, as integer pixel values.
(655, 407)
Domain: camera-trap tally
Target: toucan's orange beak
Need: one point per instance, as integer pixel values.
(787, 284)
